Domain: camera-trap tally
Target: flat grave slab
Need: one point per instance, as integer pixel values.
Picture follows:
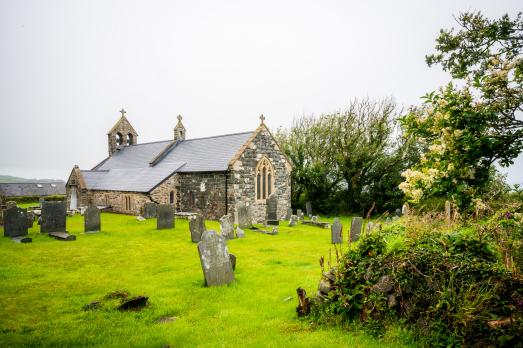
(62, 236)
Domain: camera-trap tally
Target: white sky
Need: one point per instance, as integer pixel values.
(67, 67)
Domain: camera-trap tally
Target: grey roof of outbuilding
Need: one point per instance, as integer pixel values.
(39, 189)
(130, 169)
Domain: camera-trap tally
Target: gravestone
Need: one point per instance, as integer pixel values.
(240, 233)
(355, 228)
(370, 227)
(272, 210)
(308, 208)
(15, 222)
(215, 259)
(244, 216)
(149, 210)
(398, 212)
(10, 204)
(226, 227)
(314, 218)
(300, 215)
(30, 219)
(92, 219)
(274, 230)
(405, 209)
(336, 232)
(289, 214)
(293, 220)
(53, 217)
(197, 227)
(165, 217)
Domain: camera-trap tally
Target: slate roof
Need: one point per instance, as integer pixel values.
(141, 167)
(36, 188)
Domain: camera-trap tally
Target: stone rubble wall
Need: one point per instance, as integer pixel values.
(161, 194)
(116, 199)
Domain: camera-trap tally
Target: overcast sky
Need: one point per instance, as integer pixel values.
(67, 67)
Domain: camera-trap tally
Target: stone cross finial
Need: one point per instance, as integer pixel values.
(123, 112)
(179, 117)
(262, 118)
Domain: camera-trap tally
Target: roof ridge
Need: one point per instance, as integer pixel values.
(218, 136)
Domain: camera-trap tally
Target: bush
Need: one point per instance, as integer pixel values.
(30, 199)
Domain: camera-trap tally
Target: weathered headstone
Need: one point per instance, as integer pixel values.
(53, 217)
(197, 227)
(226, 227)
(244, 216)
(289, 214)
(215, 259)
(398, 212)
(355, 228)
(240, 233)
(30, 219)
(92, 219)
(314, 218)
(274, 230)
(293, 221)
(308, 208)
(15, 222)
(150, 210)
(272, 210)
(165, 217)
(405, 209)
(300, 215)
(336, 232)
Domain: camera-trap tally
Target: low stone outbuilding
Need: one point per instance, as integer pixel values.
(207, 175)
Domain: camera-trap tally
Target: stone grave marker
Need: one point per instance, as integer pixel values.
(308, 208)
(92, 219)
(150, 210)
(405, 209)
(314, 218)
(336, 232)
(293, 221)
(165, 217)
(53, 217)
(226, 227)
(289, 214)
(244, 216)
(240, 233)
(300, 215)
(197, 227)
(30, 219)
(398, 212)
(10, 204)
(15, 222)
(370, 227)
(355, 228)
(215, 259)
(272, 210)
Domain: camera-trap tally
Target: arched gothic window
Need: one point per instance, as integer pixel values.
(264, 179)
(119, 139)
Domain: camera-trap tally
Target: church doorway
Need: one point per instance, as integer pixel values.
(74, 199)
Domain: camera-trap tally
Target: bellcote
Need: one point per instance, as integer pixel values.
(179, 130)
(122, 134)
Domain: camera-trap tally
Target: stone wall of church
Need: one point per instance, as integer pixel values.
(116, 200)
(161, 194)
(205, 193)
(244, 176)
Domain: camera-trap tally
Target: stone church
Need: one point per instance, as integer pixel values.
(209, 175)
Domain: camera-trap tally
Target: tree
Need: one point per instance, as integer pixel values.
(468, 128)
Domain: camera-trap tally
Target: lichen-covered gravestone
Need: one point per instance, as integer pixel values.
(149, 210)
(289, 214)
(293, 220)
(15, 222)
(355, 228)
(92, 221)
(30, 219)
(336, 232)
(165, 217)
(244, 216)
(197, 227)
(300, 215)
(308, 208)
(226, 227)
(215, 259)
(53, 217)
(272, 210)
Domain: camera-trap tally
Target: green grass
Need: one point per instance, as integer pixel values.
(45, 284)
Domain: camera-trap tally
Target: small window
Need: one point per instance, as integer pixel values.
(119, 139)
(127, 203)
(171, 197)
(129, 139)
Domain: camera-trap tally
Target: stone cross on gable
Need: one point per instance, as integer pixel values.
(123, 112)
(262, 118)
(179, 117)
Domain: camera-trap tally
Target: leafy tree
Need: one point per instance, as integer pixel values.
(469, 128)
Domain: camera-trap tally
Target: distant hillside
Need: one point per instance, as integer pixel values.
(6, 179)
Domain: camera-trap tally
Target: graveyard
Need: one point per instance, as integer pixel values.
(47, 283)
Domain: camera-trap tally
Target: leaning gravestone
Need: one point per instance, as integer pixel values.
(165, 217)
(215, 259)
(226, 227)
(197, 227)
(336, 232)
(308, 208)
(244, 216)
(149, 210)
(299, 212)
(92, 219)
(289, 214)
(355, 228)
(272, 210)
(293, 220)
(53, 217)
(15, 222)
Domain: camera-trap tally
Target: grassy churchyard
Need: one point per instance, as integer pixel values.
(45, 285)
